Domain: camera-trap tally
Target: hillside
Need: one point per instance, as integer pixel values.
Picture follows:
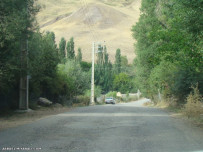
(92, 20)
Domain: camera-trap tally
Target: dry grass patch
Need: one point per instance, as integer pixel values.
(194, 106)
(111, 23)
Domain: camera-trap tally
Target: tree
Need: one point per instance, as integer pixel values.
(80, 80)
(118, 61)
(121, 83)
(43, 66)
(168, 34)
(79, 56)
(17, 23)
(62, 47)
(70, 49)
(103, 70)
(86, 66)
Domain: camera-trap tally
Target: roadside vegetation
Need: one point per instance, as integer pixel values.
(169, 54)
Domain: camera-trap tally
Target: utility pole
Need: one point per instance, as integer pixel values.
(92, 102)
(28, 77)
(92, 80)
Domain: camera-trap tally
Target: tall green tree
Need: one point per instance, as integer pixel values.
(103, 70)
(62, 49)
(70, 49)
(43, 66)
(118, 61)
(121, 83)
(79, 56)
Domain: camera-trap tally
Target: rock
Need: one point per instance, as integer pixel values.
(44, 102)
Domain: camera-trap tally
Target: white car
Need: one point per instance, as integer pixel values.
(110, 100)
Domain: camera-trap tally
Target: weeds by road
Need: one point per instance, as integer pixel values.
(177, 112)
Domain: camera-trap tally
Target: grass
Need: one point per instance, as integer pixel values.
(194, 106)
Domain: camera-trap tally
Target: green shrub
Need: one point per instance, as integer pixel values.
(121, 83)
(111, 94)
(97, 92)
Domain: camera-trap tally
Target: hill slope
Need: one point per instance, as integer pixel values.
(92, 20)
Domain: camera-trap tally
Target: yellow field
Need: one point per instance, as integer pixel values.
(92, 20)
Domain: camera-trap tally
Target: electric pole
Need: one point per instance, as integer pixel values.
(92, 80)
(99, 50)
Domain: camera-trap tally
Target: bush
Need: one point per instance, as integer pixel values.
(97, 92)
(82, 100)
(111, 94)
(162, 78)
(79, 80)
(122, 83)
(193, 107)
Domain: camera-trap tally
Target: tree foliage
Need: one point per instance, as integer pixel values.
(168, 48)
(70, 48)
(118, 61)
(79, 56)
(80, 80)
(103, 70)
(121, 83)
(43, 65)
(17, 23)
(62, 49)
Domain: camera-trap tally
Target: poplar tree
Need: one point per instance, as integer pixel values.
(103, 70)
(79, 55)
(118, 61)
(70, 49)
(62, 46)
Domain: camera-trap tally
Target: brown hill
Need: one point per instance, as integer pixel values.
(94, 21)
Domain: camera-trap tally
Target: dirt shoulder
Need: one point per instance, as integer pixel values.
(13, 119)
(177, 113)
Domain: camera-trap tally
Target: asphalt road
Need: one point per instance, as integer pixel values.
(109, 128)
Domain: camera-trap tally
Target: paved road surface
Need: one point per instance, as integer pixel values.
(109, 128)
